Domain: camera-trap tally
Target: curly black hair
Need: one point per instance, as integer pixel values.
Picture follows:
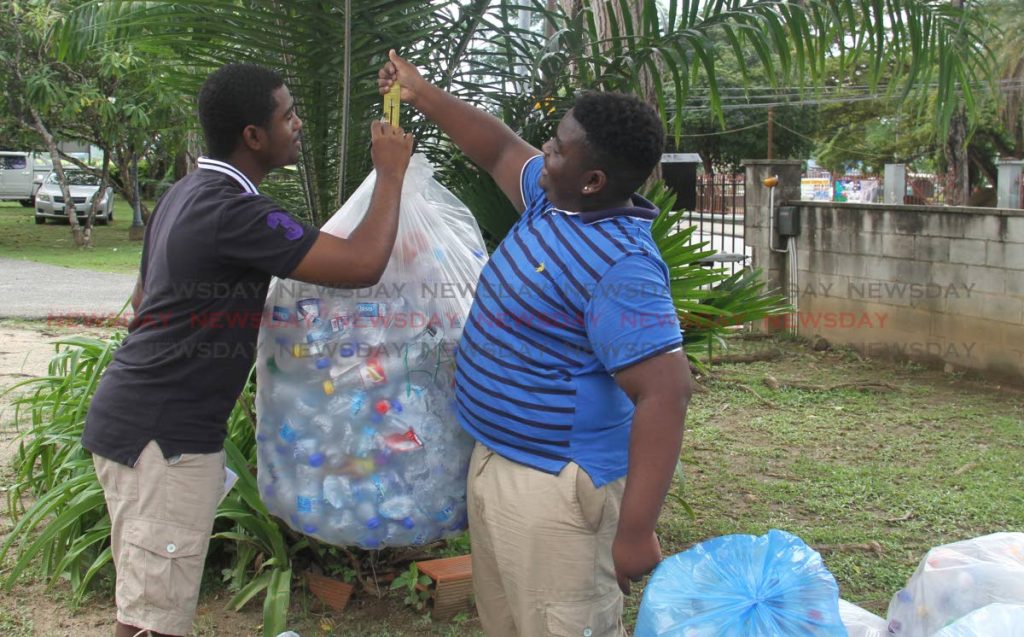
(233, 97)
(626, 135)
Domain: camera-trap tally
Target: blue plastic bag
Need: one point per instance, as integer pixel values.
(742, 586)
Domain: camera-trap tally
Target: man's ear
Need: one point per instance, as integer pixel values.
(253, 137)
(594, 181)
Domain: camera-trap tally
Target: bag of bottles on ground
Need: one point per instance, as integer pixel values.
(358, 444)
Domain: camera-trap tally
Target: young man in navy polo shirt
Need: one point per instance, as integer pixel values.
(157, 423)
(570, 373)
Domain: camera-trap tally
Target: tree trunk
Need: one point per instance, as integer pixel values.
(957, 178)
(603, 21)
(81, 238)
(137, 231)
(958, 185)
(104, 176)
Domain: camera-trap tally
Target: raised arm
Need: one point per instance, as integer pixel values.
(360, 260)
(484, 138)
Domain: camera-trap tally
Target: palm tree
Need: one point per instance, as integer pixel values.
(330, 52)
(1009, 53)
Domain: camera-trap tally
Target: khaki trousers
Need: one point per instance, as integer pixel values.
(541, 550)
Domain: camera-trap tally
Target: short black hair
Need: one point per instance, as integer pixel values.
(625, 134)
(233, 97)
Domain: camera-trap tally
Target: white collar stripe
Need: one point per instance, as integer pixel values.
(227, 169)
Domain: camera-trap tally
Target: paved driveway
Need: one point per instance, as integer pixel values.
(30, 290)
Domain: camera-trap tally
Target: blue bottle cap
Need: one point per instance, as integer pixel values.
(373, 522)
(408, 523)
(309, 528)
(316, 459)
(323, 363)
(369, 542)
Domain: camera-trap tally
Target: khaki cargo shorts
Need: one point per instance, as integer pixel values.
(161, 516)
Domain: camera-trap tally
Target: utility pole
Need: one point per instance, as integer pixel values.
(771, 132)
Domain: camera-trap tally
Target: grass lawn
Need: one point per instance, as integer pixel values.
(21, 238)
(871, 479)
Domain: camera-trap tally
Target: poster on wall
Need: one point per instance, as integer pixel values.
(816, 189)
(857, 190)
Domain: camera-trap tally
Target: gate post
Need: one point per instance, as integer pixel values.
(895, 188)
(756, 214)
(1008, 190)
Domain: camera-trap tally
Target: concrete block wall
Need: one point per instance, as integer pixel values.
(940, 285)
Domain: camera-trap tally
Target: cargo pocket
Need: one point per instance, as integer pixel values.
(601, 617)
(164, 565)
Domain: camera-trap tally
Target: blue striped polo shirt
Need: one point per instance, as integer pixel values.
(566, 301)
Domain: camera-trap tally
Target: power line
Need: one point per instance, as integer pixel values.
(845, 150)
(725, 132)
(740, 103)
(704, 105)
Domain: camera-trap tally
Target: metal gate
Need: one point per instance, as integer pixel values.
(718, 215)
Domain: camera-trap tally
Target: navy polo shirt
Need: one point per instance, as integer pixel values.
(566, 301)
(209, 251)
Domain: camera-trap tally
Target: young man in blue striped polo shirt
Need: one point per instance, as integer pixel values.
(570, 373)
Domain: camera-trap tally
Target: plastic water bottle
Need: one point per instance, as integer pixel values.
(308, 498)
(347, 404)
(401, 509)
(289, 430)
(366, 513)
(345, 524)
(442, 510)
(403, 535)
(308, 454)
(371, 373)
(338, 492)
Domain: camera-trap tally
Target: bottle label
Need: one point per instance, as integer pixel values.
(306, 504)
(373, 372)
(371, 310)
(308, 310)
(281, 314)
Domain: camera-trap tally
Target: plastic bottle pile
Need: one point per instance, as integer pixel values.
(358, 444)
(955, 580)
(775, 585)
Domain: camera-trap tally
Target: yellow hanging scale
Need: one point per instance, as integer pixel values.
(392, 104)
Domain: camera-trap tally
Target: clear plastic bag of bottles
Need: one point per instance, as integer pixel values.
(772, 585)
(861, 623)
(1004, 620)
(955, 579)
(358, 444)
